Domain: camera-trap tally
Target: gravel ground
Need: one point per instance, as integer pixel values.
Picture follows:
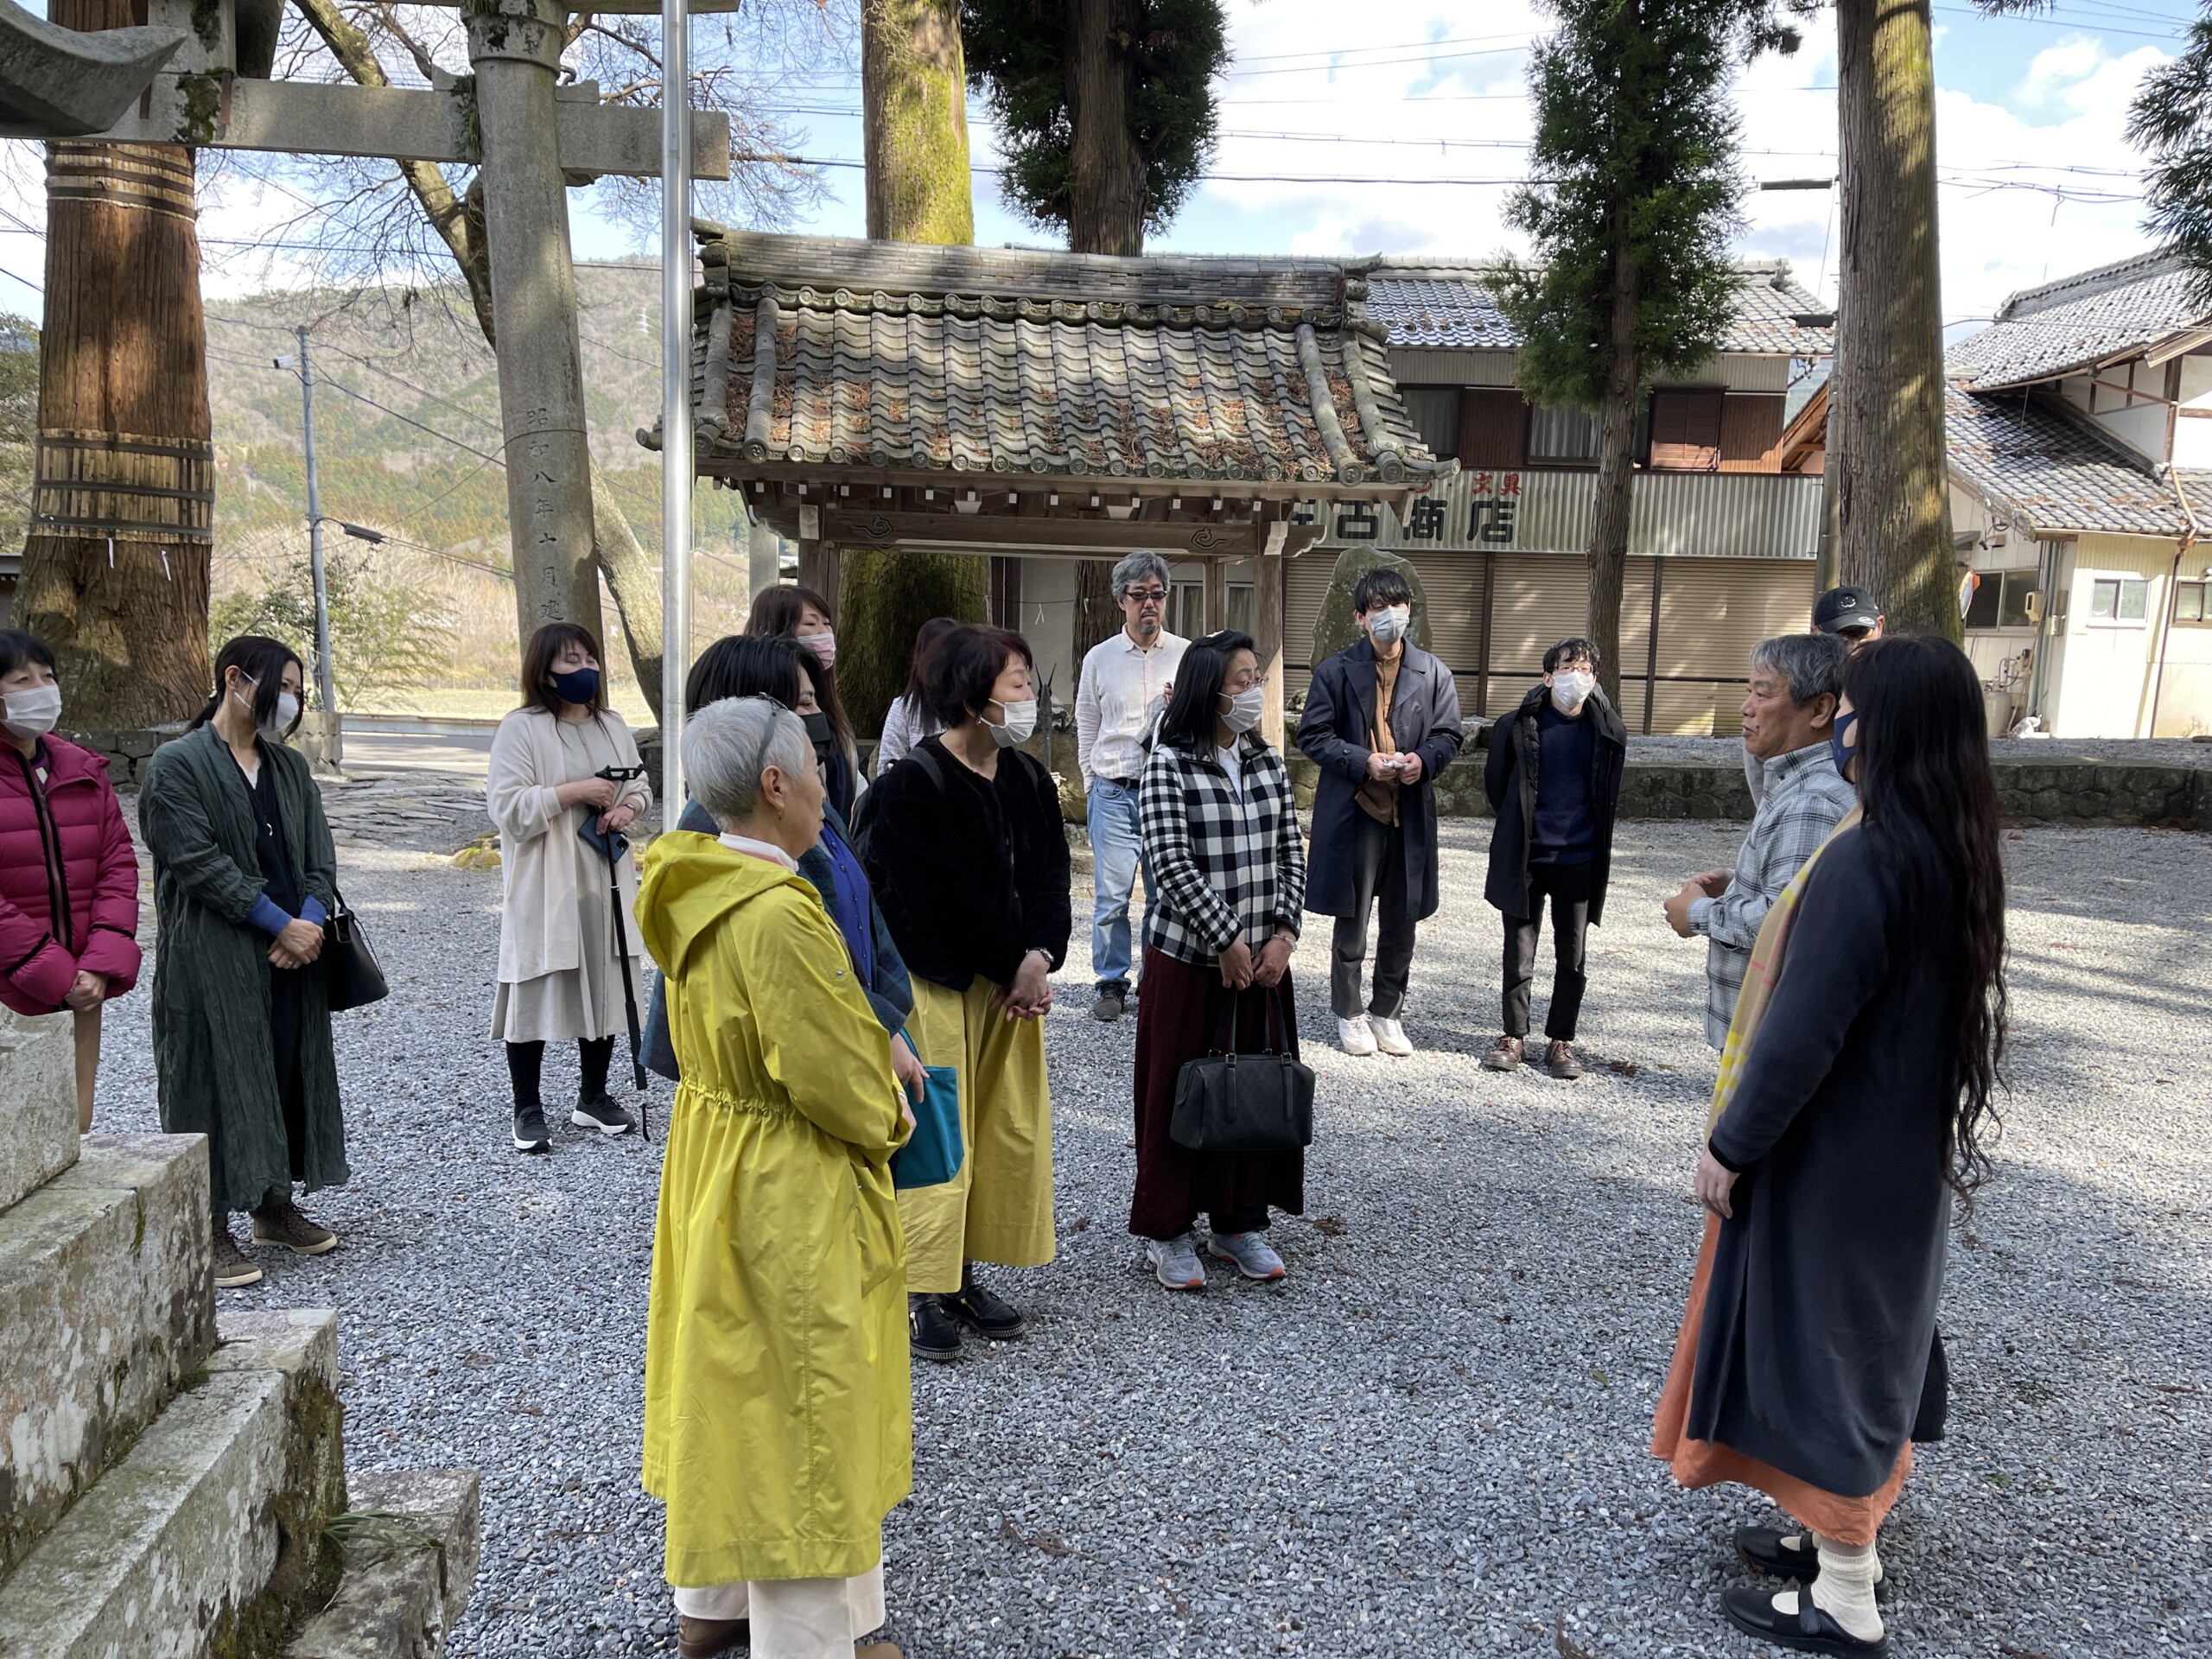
(1431, 1437)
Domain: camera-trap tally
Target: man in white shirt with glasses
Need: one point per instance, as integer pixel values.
(1119, 694)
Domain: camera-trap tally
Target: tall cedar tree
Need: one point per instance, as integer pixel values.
(1106, 118)
(914, 107)
(2170, 122)
(1632, 221)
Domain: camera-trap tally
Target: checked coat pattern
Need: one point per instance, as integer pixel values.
(1225, 866)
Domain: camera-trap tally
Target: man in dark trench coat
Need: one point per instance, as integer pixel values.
(1381, 720)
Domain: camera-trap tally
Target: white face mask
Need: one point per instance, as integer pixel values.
(288, 711)
(1571, 689)
(1020, 723)
(1244, 709)
(32, 712)
(1388, 625)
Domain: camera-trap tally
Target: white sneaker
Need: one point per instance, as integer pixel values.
(1354, 1038)
(1175, 1263)
(1389, 1036)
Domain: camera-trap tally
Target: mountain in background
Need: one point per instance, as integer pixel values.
(408, 442)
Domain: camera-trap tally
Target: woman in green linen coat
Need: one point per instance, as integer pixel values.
(245, 876)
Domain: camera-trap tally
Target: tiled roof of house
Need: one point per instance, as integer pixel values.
(813, 350)
(2054, 466)
(2065, 327)
(1447, 305)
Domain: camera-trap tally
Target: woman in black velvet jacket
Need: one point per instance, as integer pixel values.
(967, 857)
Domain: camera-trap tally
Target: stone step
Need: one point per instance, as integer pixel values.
(208, 1539)
(106, 1304)
(38, 1101)
(412, 1541)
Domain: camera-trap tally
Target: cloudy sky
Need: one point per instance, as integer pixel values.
(1396, 126)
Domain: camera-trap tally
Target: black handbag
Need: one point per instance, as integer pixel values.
(353, 977)
(1227, 1102)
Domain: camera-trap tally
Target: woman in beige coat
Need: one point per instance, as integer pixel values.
(561, 974)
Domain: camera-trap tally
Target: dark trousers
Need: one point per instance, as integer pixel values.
(1378, 871)
(1567, 885)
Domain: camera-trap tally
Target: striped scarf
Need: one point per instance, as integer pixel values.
(1761, 977)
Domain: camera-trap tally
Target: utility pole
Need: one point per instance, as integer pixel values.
(677, 461)
(324, 694)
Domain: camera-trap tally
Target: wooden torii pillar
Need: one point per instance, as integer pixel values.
(501, 121)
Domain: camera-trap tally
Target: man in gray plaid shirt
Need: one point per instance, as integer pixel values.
(1788, 713)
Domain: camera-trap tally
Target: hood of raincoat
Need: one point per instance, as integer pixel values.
(690, 883)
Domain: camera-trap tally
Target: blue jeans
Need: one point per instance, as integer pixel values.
(1116, 856)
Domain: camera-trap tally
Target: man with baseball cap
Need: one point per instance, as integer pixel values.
(1851, 613)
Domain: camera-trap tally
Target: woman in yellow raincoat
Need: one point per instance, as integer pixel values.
(778, 1427)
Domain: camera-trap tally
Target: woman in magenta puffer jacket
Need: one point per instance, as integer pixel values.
(69, 879)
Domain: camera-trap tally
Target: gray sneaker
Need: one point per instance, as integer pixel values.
(234, 1268)
(286, 1224)
(1254, 1256)
(1175, 1263)
(1113, 1000)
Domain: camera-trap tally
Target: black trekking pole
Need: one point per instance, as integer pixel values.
(613, 844)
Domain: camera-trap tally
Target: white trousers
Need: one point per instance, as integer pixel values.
(796, 1618)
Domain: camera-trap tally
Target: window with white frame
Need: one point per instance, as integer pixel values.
(2118, 601)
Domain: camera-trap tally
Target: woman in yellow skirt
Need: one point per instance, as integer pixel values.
(970, 862)
(778, 1427)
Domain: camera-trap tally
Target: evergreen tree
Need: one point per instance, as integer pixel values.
(1104, 108)
(1632, 221)
(2170, 122)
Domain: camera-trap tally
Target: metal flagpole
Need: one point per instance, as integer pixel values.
(324, 692)
(676, 457)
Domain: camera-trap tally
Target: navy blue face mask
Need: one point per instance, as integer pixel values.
(578, 685)
(1844, 722)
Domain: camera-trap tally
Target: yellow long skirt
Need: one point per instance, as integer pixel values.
(999, 1208)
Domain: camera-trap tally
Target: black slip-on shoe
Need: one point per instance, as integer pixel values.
(931, 1332)
(988, 1315)
(1751, 1609)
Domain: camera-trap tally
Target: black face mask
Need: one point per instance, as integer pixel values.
(818, 733)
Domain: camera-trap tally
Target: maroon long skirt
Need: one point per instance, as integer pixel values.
(1179, 1010)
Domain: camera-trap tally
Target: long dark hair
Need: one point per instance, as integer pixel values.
(746, 665)
(537, 664)
(262, 660)
(1931, 819)
(1188, 723)
(918, 674)
(776, 615)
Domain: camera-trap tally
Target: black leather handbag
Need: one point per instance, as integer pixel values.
(353, 977)
(1227, 1102)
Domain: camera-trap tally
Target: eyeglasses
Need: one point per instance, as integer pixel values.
(1145, 595)
(1260, 684)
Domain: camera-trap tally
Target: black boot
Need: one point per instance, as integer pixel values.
(988, 1315)
(525, 1062)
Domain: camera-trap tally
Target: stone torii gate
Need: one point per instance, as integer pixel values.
(532, 137)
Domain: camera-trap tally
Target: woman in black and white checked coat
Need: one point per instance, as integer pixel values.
(1228, 867)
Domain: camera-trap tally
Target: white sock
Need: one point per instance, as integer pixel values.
(1845, 1590)
(1806, 1541)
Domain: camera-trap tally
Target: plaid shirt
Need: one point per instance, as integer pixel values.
(1804, 799)
(1224, 865)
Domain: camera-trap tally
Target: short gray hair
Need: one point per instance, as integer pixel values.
(1135, 568)
(1812, 662)
(727, 745)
